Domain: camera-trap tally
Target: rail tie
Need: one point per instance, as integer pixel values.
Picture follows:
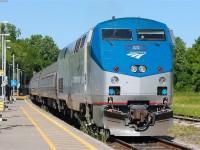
(150, 143)
(189, 118)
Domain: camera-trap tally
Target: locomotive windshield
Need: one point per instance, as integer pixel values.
(117, 34)
(151, 35)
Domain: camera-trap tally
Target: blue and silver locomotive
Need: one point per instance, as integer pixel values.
(117, 76)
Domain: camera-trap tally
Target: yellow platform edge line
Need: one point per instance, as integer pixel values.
(91, 147)
(2, 106)
(51, 145)
(21, 97)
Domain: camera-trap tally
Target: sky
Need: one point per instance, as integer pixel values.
(66, 20)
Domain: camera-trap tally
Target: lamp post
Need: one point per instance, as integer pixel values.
(9, 74)
(9, 82)
(13, 74)
(2, 22)
(18, 80)
(5, 49)
(5, 79)
(21, 79)
(3, 45)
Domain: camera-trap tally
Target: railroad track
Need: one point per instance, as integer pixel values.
(143, 143)
(189, 118)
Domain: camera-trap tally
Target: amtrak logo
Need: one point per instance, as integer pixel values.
(136, 51)
(136, 55)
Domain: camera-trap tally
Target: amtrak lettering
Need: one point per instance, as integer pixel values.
(136, 51)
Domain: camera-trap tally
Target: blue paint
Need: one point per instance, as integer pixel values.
(164, 91)
(124, 53)
(111, 91)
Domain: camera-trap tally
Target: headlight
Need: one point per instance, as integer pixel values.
(133, 68)
(142, 69)
(162, 80)
(114, 79)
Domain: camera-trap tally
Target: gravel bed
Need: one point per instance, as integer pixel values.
(185, 133)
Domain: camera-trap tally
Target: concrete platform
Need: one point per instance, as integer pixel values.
(30, 128)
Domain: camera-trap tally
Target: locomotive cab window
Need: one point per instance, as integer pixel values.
(116, 34)
(151, 35)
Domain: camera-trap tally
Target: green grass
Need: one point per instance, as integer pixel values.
(186, 103)
(186, 133)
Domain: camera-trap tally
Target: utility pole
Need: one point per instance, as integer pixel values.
(18, 80)
(2, 71)
(13, 73)
(3, 65)
(21, 79)
(2, 81)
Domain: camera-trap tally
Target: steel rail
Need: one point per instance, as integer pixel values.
(171, 144)
(189, 118)
(150, 144)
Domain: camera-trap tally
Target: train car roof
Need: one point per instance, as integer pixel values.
(122, 22)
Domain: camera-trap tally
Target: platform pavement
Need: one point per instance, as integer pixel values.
(18, 133)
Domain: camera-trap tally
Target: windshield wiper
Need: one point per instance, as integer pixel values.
(111, 44)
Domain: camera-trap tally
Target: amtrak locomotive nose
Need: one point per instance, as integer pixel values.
(136, 60)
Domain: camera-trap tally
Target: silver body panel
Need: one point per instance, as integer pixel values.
(132, 88)
(73, 68)
(34, 84)
(47, 82)
(118, 128)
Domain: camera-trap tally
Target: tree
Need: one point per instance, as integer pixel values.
(25, 56)
(31, 54)
(180, 77)
(193, 65)
(45, 47)
(12, 30)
